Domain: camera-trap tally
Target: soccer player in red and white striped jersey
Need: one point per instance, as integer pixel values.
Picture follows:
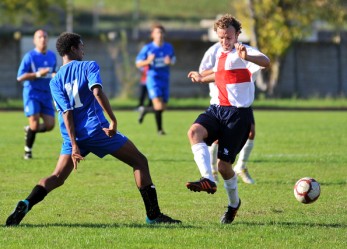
(228, 119)
(240, 168)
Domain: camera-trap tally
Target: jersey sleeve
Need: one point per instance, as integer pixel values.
(209, 58)
(25, 65)
(207, 61)
(142, 55)
(252, 67)
(93, 75)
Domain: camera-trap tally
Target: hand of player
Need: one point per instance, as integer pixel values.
(44, 71)
(167, 60)
(150, 58)
(195, 76)
(241, 50)
(111, 130)
(76, 156)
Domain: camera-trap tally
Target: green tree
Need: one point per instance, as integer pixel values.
(275, 25)
(33, 12)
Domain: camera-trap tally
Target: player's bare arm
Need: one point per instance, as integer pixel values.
(146, 62)
(199, 78)
(70, 127)
(260, 60)
(105, 104)
(207, 72)
(32, 76)
(167, 60)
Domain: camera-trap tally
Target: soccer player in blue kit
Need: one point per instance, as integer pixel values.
(159, 56)
(35, 71)
(81, 103)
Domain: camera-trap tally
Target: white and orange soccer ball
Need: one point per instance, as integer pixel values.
(307, 190)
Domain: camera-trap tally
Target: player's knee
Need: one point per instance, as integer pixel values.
(143, 160)
(49, 126)
(49, 123)
(140, 162)
(225, 169)
(34, 127)
(193, 131)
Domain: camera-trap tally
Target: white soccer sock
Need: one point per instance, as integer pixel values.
(244, 154)
(202, 160)
(27, 149)
(232, 192)
(213, 149)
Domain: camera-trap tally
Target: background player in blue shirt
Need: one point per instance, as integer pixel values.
(81, 103)
(159, 56)
(35, 71)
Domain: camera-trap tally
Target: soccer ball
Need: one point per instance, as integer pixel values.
(307, 190)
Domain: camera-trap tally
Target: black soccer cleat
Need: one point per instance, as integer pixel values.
(203, 184)
(162, 219)
(229, 216)
(18, 214)
(28, 155)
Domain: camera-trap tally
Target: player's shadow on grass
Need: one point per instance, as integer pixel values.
(293, 224)
(106, 226)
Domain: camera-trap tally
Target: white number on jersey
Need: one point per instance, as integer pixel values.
(73, 93)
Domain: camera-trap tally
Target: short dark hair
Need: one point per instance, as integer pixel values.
(66, 41)
(226, 21)
(158, 26)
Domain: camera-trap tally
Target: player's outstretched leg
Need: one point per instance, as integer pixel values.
(130, 155)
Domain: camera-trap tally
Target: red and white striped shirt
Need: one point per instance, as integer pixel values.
(235, 78)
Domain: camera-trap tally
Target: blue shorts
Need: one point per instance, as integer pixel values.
(100, 145)
(158, 91)
(230, 126)
(35, 105)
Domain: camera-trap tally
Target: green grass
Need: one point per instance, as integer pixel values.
(100, 207)
(202, 103)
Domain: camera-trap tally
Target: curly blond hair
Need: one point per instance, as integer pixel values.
(226, 21)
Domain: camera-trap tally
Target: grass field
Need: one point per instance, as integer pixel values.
(100, 207)
(200, 103)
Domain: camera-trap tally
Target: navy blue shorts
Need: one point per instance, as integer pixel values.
(230, 126)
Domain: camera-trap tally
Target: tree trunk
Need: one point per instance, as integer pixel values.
(273, 76)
